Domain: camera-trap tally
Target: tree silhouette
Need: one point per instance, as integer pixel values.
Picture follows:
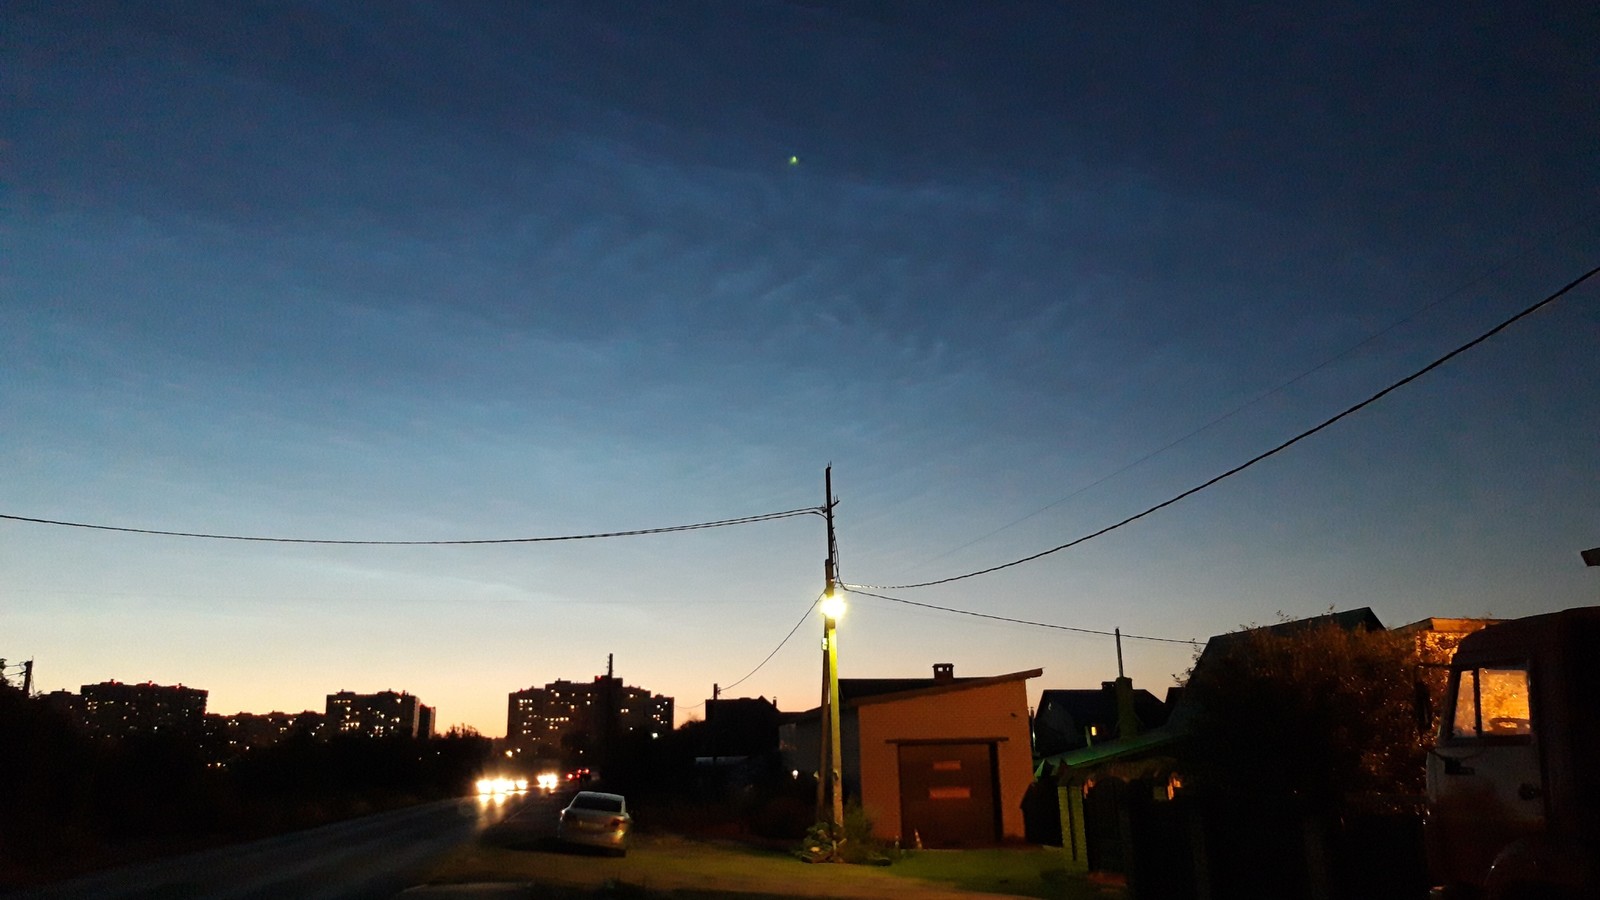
(1310, 717)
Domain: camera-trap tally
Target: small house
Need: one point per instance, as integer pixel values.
(934, 762)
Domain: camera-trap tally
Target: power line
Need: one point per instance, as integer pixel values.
(1446, 297)
(806, 615)
(1272, 452)
(857, 589)
(719, 523)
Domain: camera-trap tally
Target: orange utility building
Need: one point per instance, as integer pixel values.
(938, 762)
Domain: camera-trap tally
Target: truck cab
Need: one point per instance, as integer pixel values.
(1514, 778)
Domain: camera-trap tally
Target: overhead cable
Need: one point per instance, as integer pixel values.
(1459, 289)
(719, 523)
(803, 617)
(858, 589)
(1272, 452)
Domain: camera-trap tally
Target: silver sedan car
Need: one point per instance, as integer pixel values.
(596, 820)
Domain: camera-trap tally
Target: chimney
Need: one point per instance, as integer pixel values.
(944, 673)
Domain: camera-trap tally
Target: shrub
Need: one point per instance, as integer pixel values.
(849, 842)
(1310, 718)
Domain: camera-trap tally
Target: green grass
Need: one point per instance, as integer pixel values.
(666, 866)
(1031, 872)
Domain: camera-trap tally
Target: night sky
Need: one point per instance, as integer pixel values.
(440, 271)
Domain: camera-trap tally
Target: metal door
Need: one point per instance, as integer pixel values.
(948, 795)
(1485, 781)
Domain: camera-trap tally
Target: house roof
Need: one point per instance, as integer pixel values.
(1141, 744)
(1349, 620)
(853, 689)
(1448, 626)
(741, 706)
(931, 687)
(1099, 705)
(1153, 742)
(854, 692)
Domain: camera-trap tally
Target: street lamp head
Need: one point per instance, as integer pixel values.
(833, 604)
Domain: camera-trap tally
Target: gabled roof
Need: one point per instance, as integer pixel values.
(1349, 620)
(1099, 705)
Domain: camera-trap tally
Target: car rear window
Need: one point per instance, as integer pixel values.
(595, 801)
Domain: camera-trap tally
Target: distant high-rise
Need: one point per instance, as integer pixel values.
(112, 709)
(564, 713)
(383, 714)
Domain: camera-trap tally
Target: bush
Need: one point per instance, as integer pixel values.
(850, 842)
(1309, 718)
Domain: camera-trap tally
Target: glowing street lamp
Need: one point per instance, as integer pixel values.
(833, 605)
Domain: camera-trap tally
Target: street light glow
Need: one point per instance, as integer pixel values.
(833, 604)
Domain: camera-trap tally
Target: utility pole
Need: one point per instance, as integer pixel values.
(27, 678)
(824, 746)
(711, 726)
(831, 784)
(608, 718)
(836, 751)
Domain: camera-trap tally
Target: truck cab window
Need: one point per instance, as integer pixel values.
(1491, 702)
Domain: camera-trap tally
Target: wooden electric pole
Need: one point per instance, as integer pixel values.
(830, 793)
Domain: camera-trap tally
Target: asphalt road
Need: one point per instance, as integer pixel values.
(532, 823)
(370, 858)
